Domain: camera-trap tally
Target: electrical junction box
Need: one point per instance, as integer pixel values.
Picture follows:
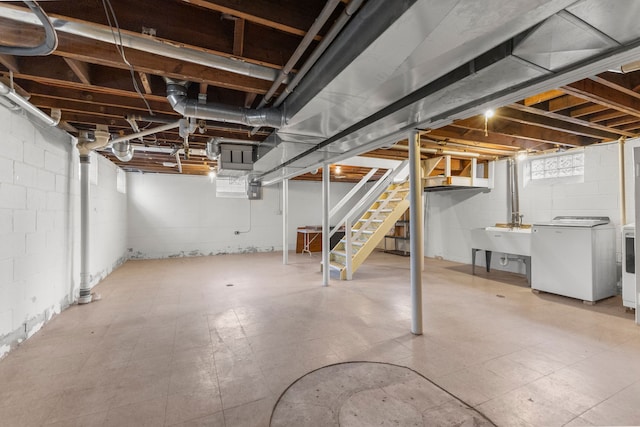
(254, 191)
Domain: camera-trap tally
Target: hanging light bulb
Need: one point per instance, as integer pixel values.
(337, 170)
(487, 115)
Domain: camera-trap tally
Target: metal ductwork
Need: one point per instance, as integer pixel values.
(48, 45)
(14, 101)
(177, 96)
(123, 150)
(213, 149)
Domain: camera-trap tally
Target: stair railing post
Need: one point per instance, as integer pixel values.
(348, 248)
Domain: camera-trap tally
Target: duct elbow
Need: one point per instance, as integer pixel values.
(123, 150)
(177, 97)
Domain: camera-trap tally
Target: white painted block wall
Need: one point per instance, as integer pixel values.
(39, 225)
(179, 215)
(451, 215)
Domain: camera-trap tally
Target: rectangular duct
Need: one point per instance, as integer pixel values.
(235, 157)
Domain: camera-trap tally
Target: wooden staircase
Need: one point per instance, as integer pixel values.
(370, 229)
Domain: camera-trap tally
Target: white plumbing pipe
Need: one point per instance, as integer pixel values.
(26, 105)
(146, 132)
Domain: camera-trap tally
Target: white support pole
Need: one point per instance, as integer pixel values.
(474, 171)
(348, 248)
(417, 232)
(85, 285)
(285, 221)
(325, 225)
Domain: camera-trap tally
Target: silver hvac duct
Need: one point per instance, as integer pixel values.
(177, 96)
(516, 218)
(85, 146)
(123, 150)
(19, 101)
(213, 145)
(338, 25)
(213, 149)
(48, 45)
(146, 44)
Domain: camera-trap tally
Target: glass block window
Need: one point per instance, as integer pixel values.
(560, 166)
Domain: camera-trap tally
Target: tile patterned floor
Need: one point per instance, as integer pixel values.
(172, 343)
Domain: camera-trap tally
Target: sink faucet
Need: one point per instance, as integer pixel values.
(516, 220)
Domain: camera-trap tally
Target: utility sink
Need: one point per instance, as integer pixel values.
(515, 241)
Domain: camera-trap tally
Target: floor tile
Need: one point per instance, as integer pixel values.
(170, 343)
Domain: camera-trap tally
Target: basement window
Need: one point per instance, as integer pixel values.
(557, 166)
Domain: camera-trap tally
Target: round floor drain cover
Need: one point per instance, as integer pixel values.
(370, 394)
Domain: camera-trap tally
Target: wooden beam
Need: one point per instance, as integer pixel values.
(606, 115)
(569, 119)
(289, 18)
(528, 118)
(146, 84)
(564, 102)
(177, 22)
(80, 69)
(238, 37)
(537, 133)
(11, 62)
(585, 111)
(623, 121)
(248, 99)
(601, 94)
(544, 96)
(626, 83)
(18, 88)
(94, 52)
(476, 137)
(104, 54)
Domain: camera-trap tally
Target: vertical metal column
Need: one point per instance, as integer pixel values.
(85, 285)
(417, 232)
(325, 225)
(285, 221)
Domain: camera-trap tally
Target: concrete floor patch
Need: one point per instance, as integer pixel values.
(356, 394)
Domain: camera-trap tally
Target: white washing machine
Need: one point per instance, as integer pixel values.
(629, 266)
(574, 256)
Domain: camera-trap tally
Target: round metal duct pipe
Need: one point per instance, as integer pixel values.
(123, 150)
(213, 149)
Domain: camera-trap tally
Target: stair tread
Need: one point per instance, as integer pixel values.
(353, 242)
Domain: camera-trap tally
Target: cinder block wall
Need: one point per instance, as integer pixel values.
(39, 225)
(177, 215)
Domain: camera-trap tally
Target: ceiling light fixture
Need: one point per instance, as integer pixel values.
(487, 115)
(521, 155)
(337, 170)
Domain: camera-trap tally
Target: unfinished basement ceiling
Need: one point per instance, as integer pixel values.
(429, 64)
